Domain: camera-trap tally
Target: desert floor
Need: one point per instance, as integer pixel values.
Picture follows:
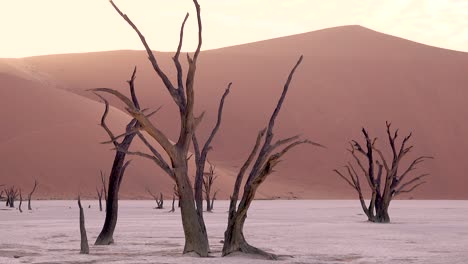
(309, 231)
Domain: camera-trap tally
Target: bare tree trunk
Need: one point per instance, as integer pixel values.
(84, 248)
(106, 237)
(103, 180)
(173, 202)
(208, 202)
(21, 201)
(31, 193)
(212, 201)
(99, 194)
(196, 237)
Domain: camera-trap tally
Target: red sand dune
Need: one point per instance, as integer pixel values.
(350, 77)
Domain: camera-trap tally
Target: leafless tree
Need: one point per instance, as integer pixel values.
(12, 194)
(21, 201)
(31, 193)
(103, 180)
(119, 165)
(100, 193)
(173, 202)
(267, 158)
(84, 248)
(395, 182)
(208, 180)
(159, 201)
(196, 239)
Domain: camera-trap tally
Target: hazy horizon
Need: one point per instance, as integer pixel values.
(54, 27)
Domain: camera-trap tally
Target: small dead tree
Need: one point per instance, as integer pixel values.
(383, 178)
(21, 201)
(103, 180)
(100, 194)
(208, 180)
(173, 202)
(12, 194)
(84, 248)
(234, 240)
(159, 201)
(31, 193)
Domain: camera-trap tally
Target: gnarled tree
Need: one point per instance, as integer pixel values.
(384, 178)
(119, 165)
(196, 239)
(266, 159)
(31, 193)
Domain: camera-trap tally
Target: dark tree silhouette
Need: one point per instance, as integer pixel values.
(100, 193)
(119, 165)
(383, 178)
(31, 193)
(11, 195)
(84, 248)
(21, 201)
(265, 161)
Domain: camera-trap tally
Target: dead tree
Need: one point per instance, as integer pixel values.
(12, 194)
(394, 182)
(196, 239)
(84, 248)
(268, 157)
(159, 201)
(173, 202)
(31, 193)
(119, 165)
(100, 194)
(103, 180)
(208, 180)
(21, 201)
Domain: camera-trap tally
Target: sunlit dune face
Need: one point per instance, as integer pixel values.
(56, 26)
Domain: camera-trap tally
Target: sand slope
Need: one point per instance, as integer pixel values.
(351, 77)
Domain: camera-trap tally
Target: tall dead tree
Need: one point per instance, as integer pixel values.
(208, 180)
(84, 247)
(267, 158)
(31, 193)
(394, 182)
(119, 165)
(159, 201)
(196, 239)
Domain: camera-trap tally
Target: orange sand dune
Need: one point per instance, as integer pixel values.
(351, 77)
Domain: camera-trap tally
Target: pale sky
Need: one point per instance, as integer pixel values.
(38, 27)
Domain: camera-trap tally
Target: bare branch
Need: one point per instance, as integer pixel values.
(152, 59)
